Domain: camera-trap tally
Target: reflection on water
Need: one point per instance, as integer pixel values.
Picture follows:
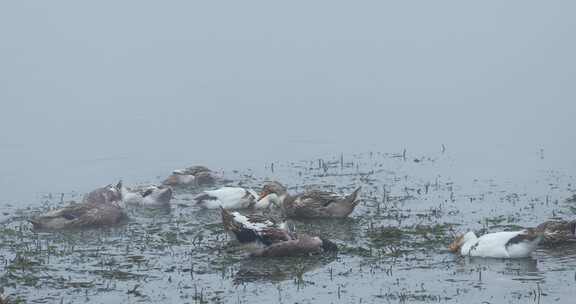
(278, 270)
(517, 269)
(561, 255)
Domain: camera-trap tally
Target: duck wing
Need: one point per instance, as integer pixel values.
(254, 228)
(506, 244)
(100, 216)
(227, 197)
(522, 244)
(79, 215)
(314, 204)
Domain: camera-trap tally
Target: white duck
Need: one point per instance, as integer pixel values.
(508, 244)
(150, 196)
(231, 198)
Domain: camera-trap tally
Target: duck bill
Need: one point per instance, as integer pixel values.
(262, 195)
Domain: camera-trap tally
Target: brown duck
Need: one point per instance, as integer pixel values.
(270, 238)
(558, 231)
(99, 208)
(310, 204)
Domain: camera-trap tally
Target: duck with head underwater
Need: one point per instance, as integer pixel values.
(267, 237)
(231, 198)
(147, 196)
(310, 204)
(557, 231)
(505, 244)
(100, 208)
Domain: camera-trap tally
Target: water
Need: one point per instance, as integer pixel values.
(393, 248)
(158, 87)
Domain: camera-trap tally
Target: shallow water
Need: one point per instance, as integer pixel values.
(393, 247)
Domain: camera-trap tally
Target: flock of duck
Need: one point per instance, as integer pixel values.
(262, 228)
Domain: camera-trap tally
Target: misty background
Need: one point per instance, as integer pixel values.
(94, 92)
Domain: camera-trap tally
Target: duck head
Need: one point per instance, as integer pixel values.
(460, 240)
(274, 192)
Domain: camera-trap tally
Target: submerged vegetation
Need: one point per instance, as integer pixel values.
(392, 247)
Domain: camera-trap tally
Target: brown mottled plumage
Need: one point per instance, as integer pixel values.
(558, 231)
(99, 208)
(104, 195)
(313, 204)
(84, 215)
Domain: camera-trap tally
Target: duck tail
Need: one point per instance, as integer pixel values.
(353, 197)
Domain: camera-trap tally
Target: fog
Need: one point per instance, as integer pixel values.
(94, 92)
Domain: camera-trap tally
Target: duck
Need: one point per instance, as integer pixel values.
(196, 176)
(104, 195)
(148, 196)
(271, 238)
(311, 204)
(504, 244)
(558, 231)
(99, 208)
(83, 215)
(231, 198)
(255, 229)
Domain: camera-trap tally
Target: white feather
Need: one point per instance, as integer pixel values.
(270, 200)
(228, 198)
(185, 179)
(245, 221)
(130, 197)
(493, 245)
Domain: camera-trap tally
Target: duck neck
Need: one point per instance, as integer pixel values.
(470, 240)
